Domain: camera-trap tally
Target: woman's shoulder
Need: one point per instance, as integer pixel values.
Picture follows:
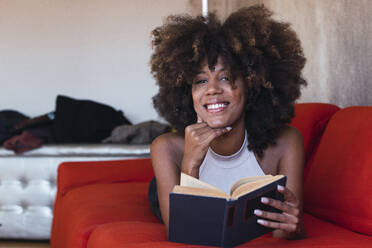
(169, 139)
(291, 148)
(288, 143)
(289, 137)
(168, 144)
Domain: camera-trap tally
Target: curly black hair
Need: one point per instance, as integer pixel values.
(266, 53)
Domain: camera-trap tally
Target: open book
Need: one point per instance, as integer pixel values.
(193, 186)
(202, 214)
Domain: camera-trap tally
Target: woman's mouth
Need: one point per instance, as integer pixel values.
(216, 107)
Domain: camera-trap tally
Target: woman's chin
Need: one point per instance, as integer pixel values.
(216, 125)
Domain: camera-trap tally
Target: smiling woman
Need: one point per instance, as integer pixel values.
(217, 99)
(219, 105)
(229, 91)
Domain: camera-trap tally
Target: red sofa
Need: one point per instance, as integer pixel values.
(104, 204)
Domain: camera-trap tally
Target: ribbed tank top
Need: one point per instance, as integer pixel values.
(224, 171)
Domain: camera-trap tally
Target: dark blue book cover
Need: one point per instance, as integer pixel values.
(205, 220)
(196, 220)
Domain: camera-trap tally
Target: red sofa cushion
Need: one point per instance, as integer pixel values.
(86, 207)
(311, 119)
(75, 174)
(141, 234)
(77, 203)
(117, 214)
(339, 185)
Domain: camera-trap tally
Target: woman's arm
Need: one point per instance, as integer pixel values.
(289, 223)
(169, 157)
(164, 161)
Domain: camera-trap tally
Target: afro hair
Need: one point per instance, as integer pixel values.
(266, 53)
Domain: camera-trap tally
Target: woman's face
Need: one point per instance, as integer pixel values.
(216, 100)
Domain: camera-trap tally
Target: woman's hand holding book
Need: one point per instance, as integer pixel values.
(287, 221)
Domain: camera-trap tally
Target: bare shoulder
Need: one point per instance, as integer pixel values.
(291, 146)
(288, 144)
(290, 137)
(168, 146)
(168, 141)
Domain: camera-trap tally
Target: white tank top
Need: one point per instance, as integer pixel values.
(224, 171)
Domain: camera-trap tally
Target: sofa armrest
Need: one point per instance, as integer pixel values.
(339, 186)
(76, 174)
(311, 119)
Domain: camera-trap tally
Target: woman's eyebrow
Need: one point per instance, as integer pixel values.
(218, 70)
(201, 72)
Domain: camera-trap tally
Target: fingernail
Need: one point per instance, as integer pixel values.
(259, 221)
(257, 212)
(228, 128)
(280, 188)
(264, 200)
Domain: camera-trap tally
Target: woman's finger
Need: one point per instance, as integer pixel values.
(289, 196)
(285, 218)
(194, 128)
(199, 119)
(215, 132)
(289, 227)
(284, 206)
(201, 134)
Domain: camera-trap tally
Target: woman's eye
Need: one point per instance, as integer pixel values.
(202, 81)
(225, 79)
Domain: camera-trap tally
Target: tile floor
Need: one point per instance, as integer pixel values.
(23, 244)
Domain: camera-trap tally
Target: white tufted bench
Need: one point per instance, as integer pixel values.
(28, 183)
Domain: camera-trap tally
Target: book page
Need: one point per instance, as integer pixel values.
(247, 180)
(190, 181)
(199, 191)
(249, 187)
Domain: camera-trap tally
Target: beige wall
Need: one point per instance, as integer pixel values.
(337, 40)
(100, 49)
(91, 49)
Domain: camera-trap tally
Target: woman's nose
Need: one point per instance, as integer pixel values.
(214, 87)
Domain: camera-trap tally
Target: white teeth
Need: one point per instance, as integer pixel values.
(216, 106)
